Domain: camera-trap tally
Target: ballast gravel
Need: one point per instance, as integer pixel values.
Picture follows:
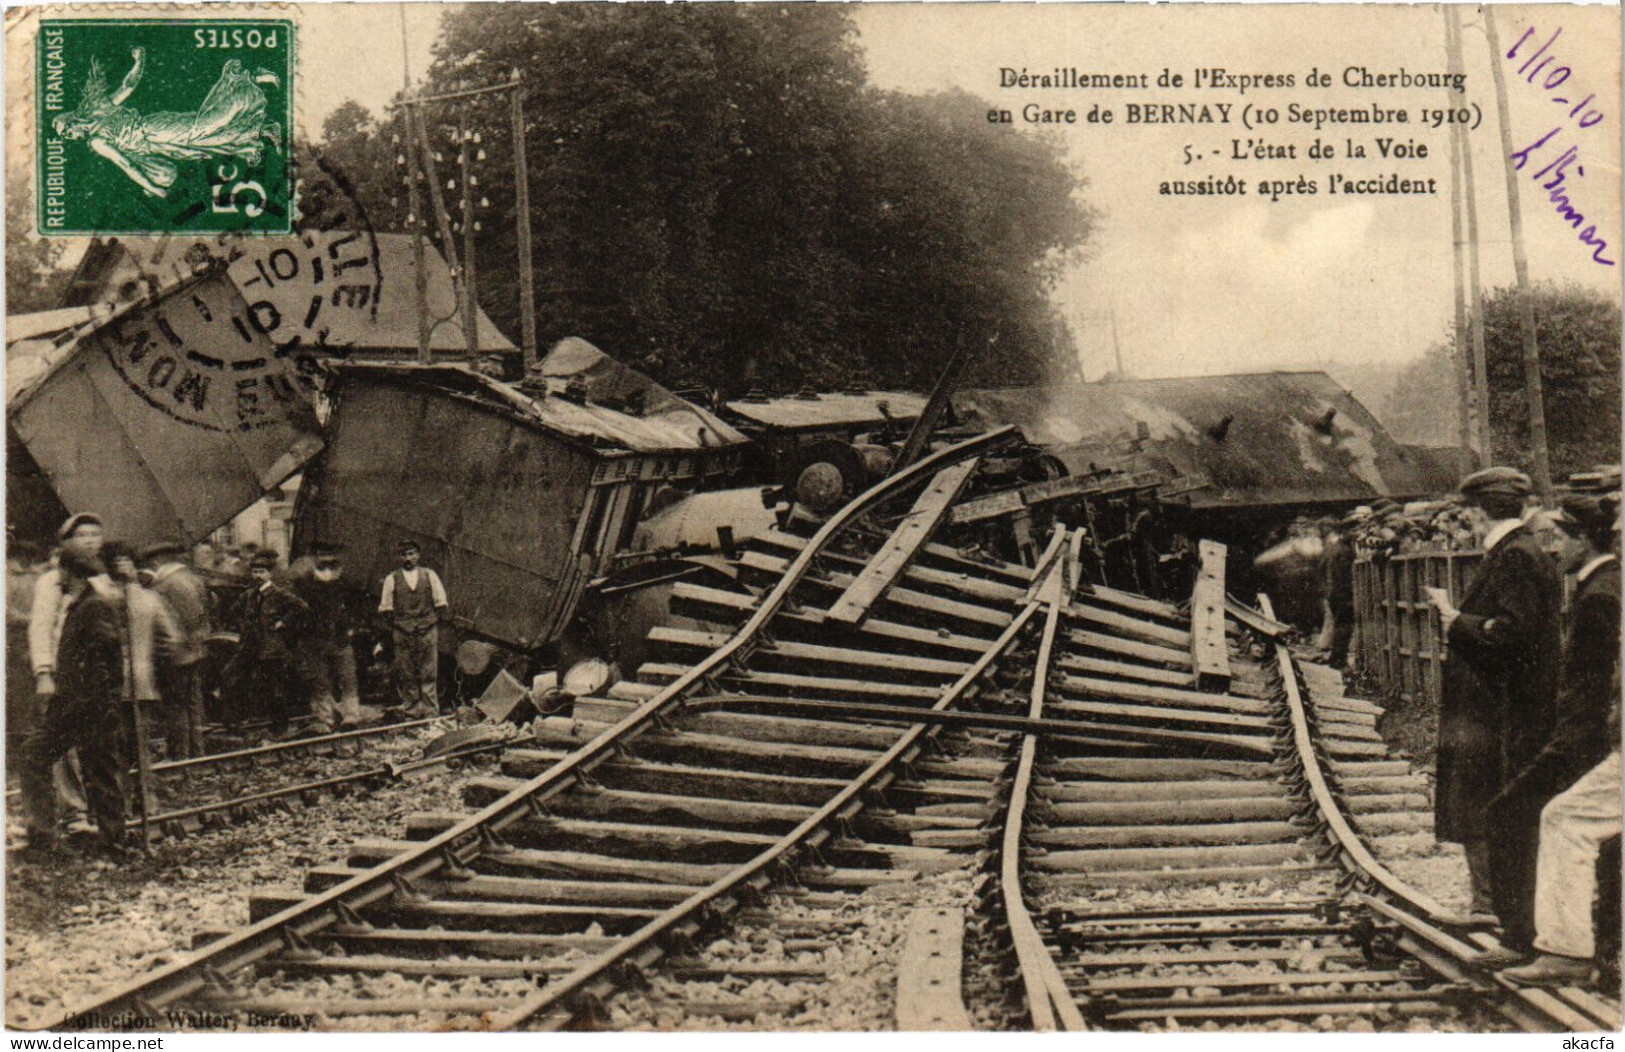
(78, 925)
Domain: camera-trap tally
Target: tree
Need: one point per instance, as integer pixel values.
(35, 279)
(1578, 331)
(718, 198)
(1421, 407)
(1579, 337)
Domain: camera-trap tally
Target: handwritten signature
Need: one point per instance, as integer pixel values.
(1557, 172)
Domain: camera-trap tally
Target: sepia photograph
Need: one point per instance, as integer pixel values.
(985, 518)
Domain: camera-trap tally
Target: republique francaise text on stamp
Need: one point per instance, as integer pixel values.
(163, 126)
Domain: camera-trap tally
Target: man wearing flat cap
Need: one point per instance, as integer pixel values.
(180, 717)
(80, 541)
(413, 603)
(1579, 738)
(327, 648)
(1500, 679)
(270, 618)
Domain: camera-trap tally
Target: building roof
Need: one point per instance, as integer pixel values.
(825, 410)
(667, 424)
(1291, 437)
(346, 304)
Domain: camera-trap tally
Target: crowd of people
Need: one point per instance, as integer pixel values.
(117, 641)
(1528, 762)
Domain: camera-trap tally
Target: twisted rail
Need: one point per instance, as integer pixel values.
(1432, 933)
(143, 998)
(1048, 1001)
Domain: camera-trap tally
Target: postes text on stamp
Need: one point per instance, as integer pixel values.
(156, 127)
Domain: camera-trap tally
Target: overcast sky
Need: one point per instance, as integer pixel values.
(1201, 285)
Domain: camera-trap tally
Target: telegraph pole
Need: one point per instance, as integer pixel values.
(521, 189)
(1541, 460)
(1465, 390)
(414, 176)
(1117, 346)
(464, 272)
(1464, 427)
(1483, 433)
(414, 172)
(471, 326)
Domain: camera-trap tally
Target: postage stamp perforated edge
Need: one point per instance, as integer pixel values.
(22, 34)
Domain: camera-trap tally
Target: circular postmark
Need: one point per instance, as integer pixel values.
(229, 330)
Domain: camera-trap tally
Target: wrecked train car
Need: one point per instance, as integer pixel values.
(520, 495)
(167, 417)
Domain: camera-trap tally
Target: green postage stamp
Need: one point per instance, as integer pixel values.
(159, 126)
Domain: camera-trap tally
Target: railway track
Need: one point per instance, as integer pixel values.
(829, 754)
(207, 792)
(1209, 867)
(666, 810)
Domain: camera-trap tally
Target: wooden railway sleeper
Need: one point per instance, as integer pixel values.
(295, 947)
(877, 802)
(349, 921)
(452, 867)
(1442, 992)
(406, 892)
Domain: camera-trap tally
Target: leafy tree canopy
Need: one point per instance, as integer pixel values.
(34, 281)
(718, 197)
(1578, 331)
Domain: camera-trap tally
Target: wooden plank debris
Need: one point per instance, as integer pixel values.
(888, 564)
(1209, 654)
(1010, 501)
(928, 991)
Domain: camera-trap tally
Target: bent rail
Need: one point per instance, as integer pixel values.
(1433, 930)
(1048, 1001)
(143, 998)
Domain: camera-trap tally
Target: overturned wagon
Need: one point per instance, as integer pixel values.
(520, 495)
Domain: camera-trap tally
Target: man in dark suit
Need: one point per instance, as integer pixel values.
(1501, 676)
(265, 670)
(1581, 739)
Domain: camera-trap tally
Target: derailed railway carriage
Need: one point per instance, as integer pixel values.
(519, 495)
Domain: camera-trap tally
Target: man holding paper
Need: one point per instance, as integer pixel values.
(1500, 679)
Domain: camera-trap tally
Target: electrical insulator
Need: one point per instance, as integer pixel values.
(476, 226)
(485, 202)
(437, 157)
(451, 184)
(411, 217)
(476, 138)
(400, 158)
(480, 156)
(473, 180)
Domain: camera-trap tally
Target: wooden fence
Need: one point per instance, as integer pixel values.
(1398, 637)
